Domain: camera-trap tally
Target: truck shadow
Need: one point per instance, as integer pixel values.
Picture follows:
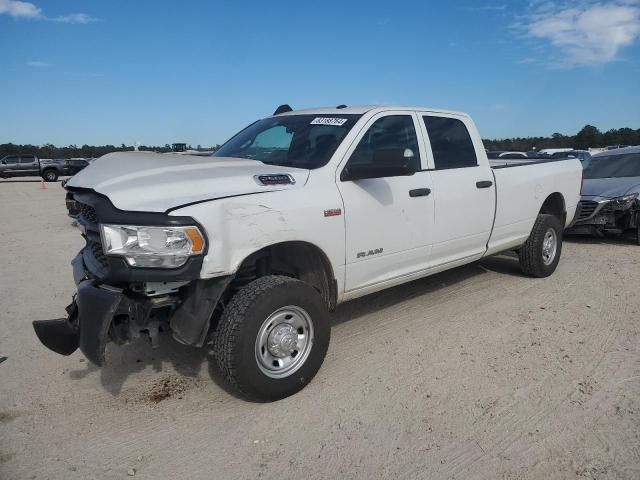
(504, 264)
(136, 357)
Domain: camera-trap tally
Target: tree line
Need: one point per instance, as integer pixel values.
(588, 137)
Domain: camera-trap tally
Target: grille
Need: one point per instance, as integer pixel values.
(98, 253)
(95, 259)
(587, 208)
(88, 213)
(608, 209)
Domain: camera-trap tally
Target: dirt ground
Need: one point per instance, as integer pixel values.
(477, 373)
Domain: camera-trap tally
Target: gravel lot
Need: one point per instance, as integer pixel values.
(477, 373)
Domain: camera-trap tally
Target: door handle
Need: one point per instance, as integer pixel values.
(419, 192)
(484, 184)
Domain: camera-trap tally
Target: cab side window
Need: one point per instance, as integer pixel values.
(388, 138)
(450, 142)
(11, 160)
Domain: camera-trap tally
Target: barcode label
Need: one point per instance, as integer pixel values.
(329, 121)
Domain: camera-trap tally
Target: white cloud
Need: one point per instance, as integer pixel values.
(19, 9)
(488, 8)
(38, 64)
(81, 18)
(588, 34)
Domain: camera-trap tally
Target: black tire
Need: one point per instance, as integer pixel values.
(237, 332)
(638, 228)
(50, 175)
(532, 261)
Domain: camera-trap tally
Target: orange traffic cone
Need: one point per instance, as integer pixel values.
(42, 184)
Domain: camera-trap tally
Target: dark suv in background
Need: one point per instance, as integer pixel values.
(25, 165)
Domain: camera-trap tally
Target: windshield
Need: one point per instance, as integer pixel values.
(610, 166)
(300, 141)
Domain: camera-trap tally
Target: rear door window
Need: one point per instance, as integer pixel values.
(450, 143)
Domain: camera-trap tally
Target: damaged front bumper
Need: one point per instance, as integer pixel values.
(87, 325)
(599, 217)
(102, 313)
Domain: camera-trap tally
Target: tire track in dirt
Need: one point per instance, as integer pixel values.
(510, 424)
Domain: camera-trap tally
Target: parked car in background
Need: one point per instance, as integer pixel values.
(583, 155)
(74, 165)
(26, 165)
(615, 147)
(513, 155)
(551, 151)
(579, 154)
(610, 200)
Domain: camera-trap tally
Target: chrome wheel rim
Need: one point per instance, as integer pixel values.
(284, 342)
(549, 246)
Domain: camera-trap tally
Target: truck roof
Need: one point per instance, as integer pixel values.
(361, 109)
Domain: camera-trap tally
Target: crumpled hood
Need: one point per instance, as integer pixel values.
(610, 187)
(155, 182)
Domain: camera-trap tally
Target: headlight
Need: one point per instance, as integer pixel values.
(625, 202)
(152, 247)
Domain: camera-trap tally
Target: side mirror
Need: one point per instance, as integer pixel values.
(395, 162)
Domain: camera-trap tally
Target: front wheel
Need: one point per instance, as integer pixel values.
(540, 254)
(272, 338)
(50, 175)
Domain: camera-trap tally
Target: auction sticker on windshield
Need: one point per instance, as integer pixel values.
(328, 121)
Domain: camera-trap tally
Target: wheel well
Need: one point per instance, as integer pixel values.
(301, 260)
(554, 205)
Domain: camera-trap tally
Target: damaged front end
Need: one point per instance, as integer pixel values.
(607, 215)
(118, 303)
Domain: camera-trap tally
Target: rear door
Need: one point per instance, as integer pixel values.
(388, 221)
(29, 165)
(463, 189)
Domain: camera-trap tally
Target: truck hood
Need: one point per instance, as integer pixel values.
(155, 182)
(610, 187)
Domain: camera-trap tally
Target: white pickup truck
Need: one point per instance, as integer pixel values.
(298, 212)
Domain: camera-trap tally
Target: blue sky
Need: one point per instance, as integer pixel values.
(156, 72)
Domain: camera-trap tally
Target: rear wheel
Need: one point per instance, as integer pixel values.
(50, 175)
(272, 337)
(540, 254)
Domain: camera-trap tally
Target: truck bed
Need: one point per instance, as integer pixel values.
(519, 192)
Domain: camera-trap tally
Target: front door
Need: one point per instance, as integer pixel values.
(11, 165)
(388, 220)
